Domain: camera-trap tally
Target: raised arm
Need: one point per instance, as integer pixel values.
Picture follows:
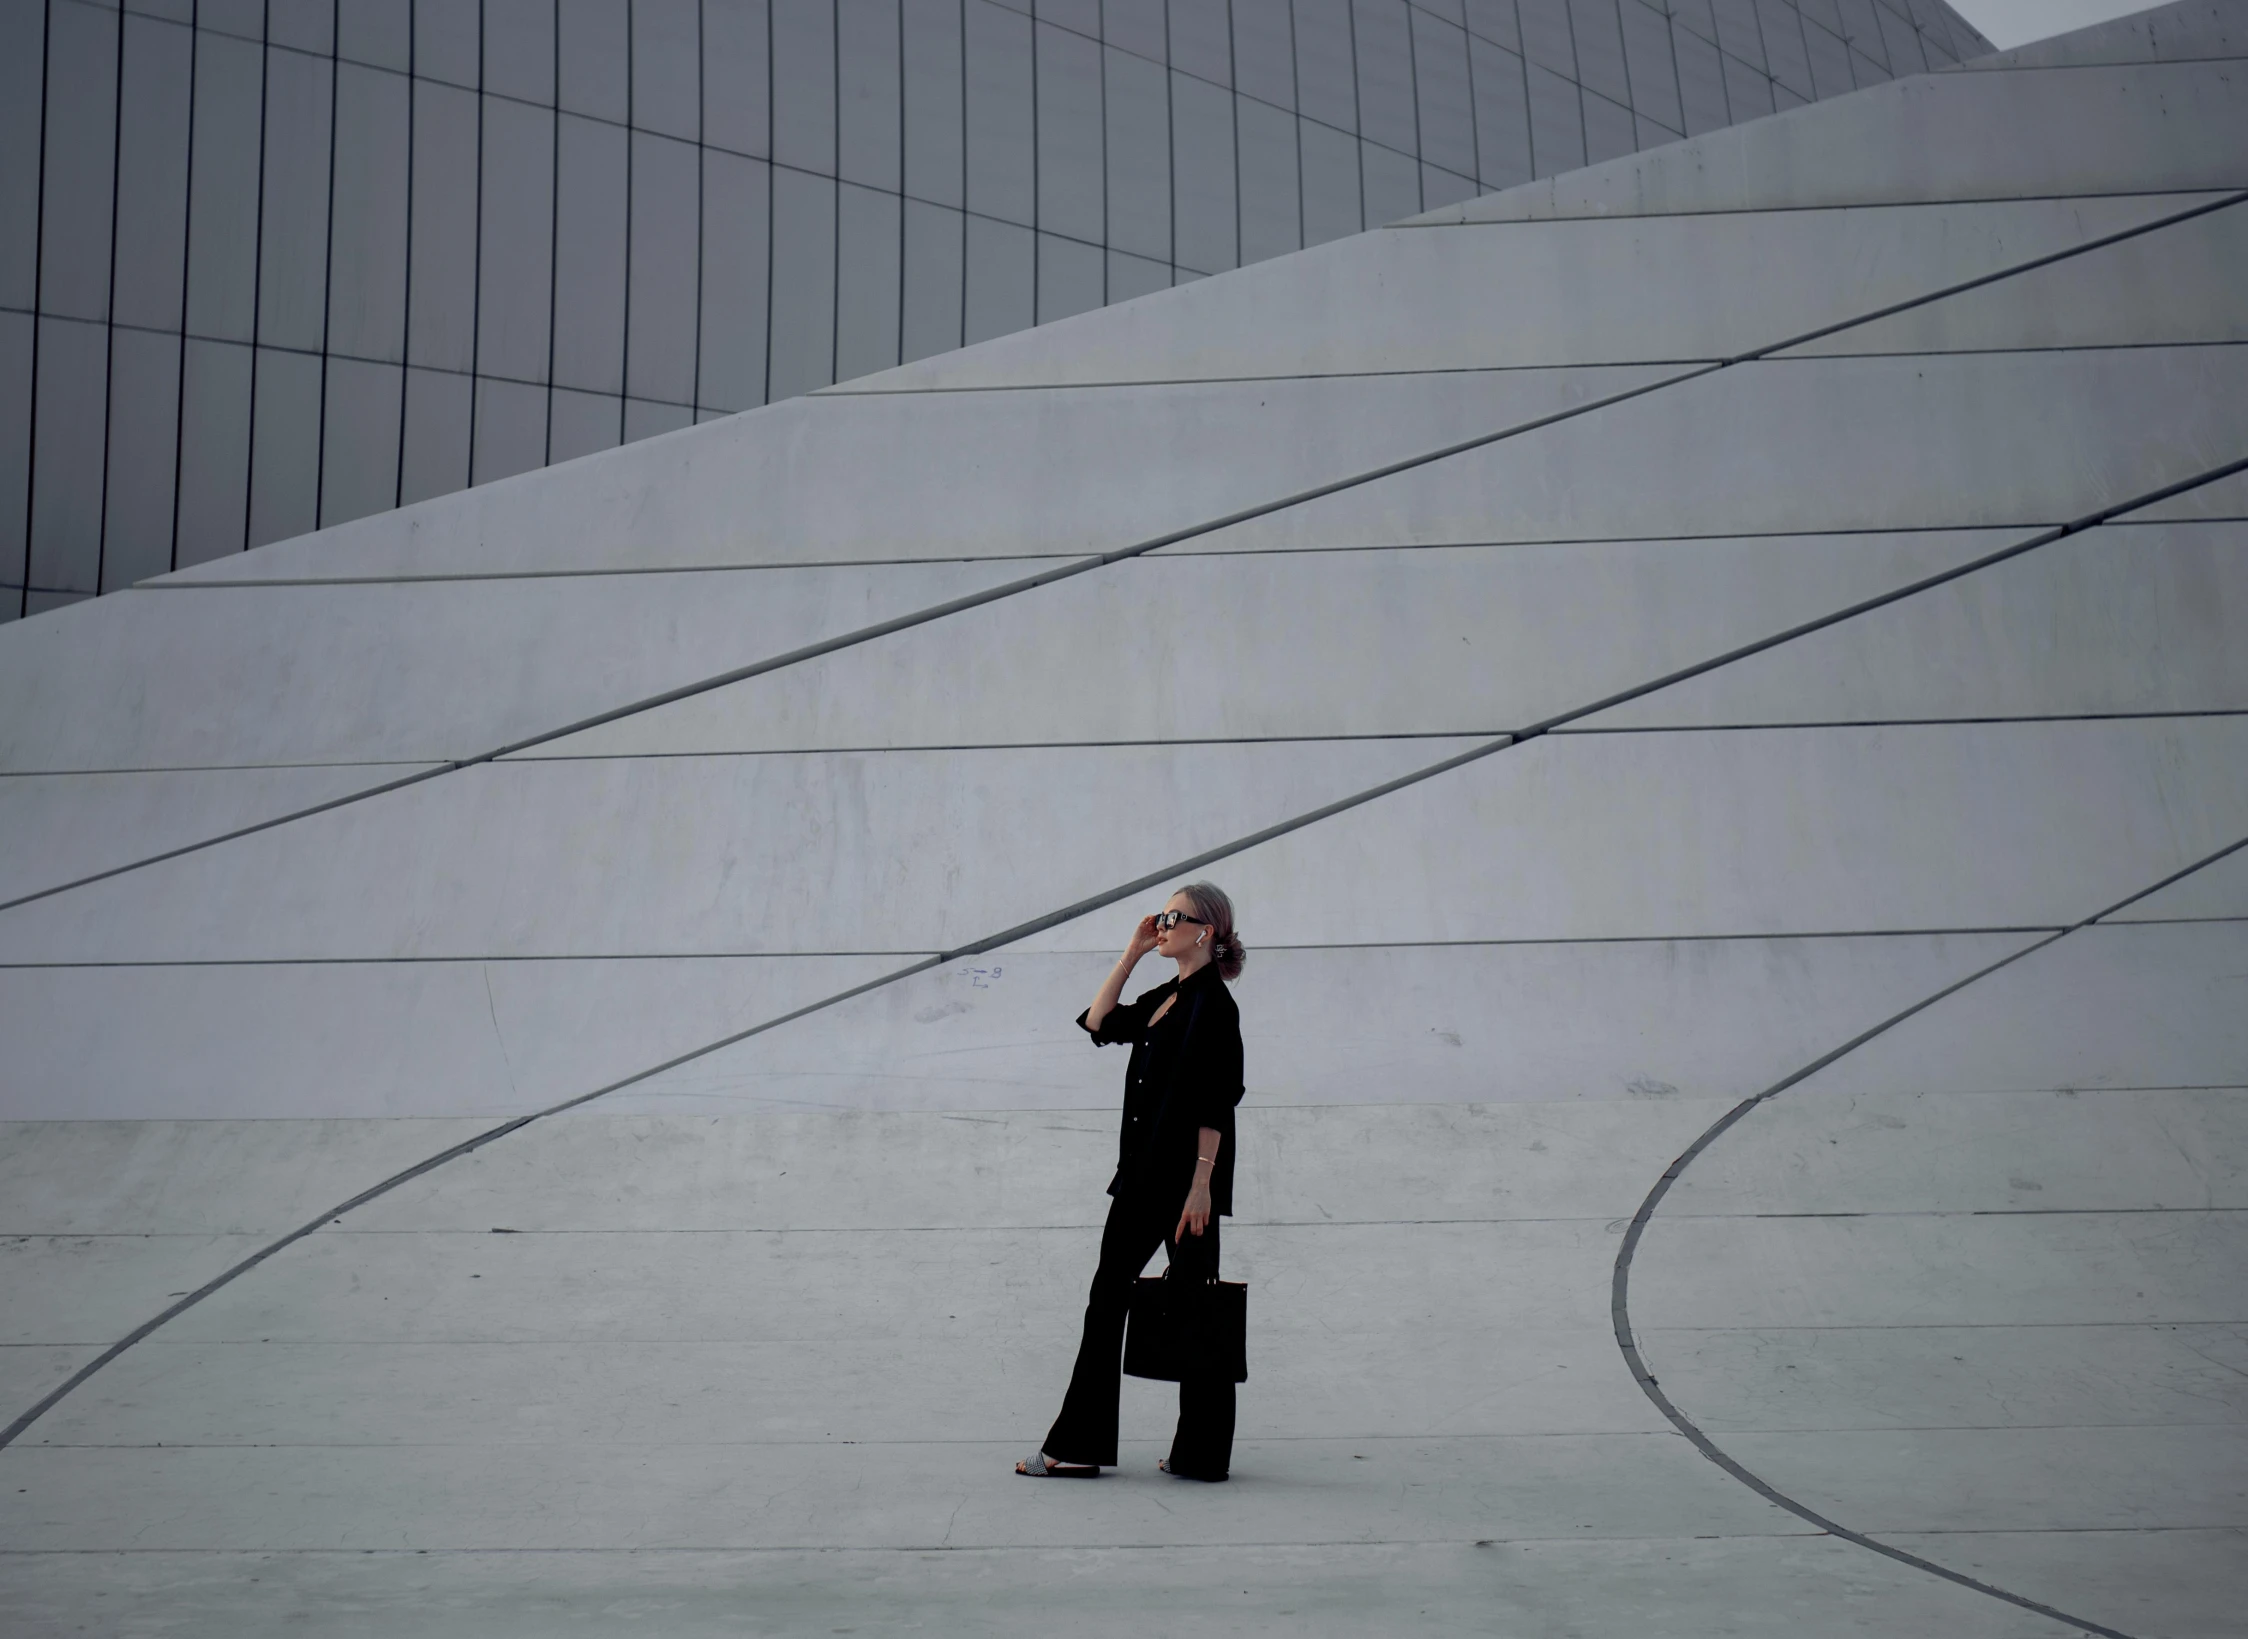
(1104, 999)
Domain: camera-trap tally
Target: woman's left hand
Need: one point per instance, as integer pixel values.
(1196, 1217)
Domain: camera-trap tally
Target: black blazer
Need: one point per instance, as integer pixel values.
(1185, 1075)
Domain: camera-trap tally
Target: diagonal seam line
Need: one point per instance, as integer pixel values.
(1122, 554)
(1620, 1289)
(1023, 930)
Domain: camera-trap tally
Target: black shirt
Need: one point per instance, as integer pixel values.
(1185, 1075)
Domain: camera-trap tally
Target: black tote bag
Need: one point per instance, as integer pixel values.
(1180, 1331)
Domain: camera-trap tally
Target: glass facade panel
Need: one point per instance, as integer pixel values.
(1199, 41)
(1385, 74)
(1130, 276)
(1494, 20)
(521, 33)
(446, 44)
(74, 215)
(1138, 118)
(285, 447)
(935, 260)
(581, 423)
(1082, 15)
(293, 217)
(144, 401)
(1546, 40)
(23, 57)
(1447, 105)
(645, 418)
(1202, 175)
(1002, 292)
(433, 454)
(441, 252)
(1502, 115)
(1271, 203)
(153, 118)
(1830, 61)
(867, 72)
(510, 433)
(1600, 49)
(1557, 133)
(868, 250)
(1334, 205)
(70, 418)
(1392, 182)
(306, 25)
(1609, 129)
(1696, 18)
(667, 68)
(379, 33)
(1747, 93)
(592, 47)
(737, 213)
(660, 319)
(1737, 31)
(1072, 277)
(1701, 83)
(1654, 81)
(359, 440)
(15, 451)
(802, 346)
(1001, 175)
(1441, 187)
(1861, 30)
(736, 79)
(367, 290)
(214, 481)
(1071, 190)
(589, 255)
(935, 129)
(1326, 68)
(515, 261)
(804, 84)
(1264, 51)
(1137, 26)
(1783, 46)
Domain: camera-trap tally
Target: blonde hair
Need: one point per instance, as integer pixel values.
(1211, 904)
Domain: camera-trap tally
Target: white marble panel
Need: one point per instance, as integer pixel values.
(1955, 1376)
(2012, 1479)
(1250, 646)
(840, 1494)
(1684, 1587)
(356, 1039)
(62, 827)
(882, 852)
(1577, 292)
(88, 1291)
(2178, 284)
(2151, 1005)
(1473, 1024)
(2068, 1149)
(2184, 1583)
(1803, 446)
(2027, 134)
(2126, 618)
(983, 475)
(1684, 834)
(2225, 497)
(2217, 890)
(2003, 1269)
(435, 670)
(2192, 30)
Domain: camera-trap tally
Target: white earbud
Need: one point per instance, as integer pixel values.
(1205, 939)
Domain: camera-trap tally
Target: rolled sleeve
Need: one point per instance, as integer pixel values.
(1125, 1022)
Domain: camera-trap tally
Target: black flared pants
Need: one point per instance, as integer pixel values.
(1085, 1432)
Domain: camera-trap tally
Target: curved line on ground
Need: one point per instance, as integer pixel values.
(1260, 509)
(1172, 873)
(1620, 1287)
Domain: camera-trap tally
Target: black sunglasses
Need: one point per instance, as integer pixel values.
(1165, 921)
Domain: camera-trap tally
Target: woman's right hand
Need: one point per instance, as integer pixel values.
(1143, 940)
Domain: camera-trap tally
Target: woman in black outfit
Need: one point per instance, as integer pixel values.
(1174, 1175)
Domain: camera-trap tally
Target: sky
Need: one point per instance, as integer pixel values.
(2011, 23)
